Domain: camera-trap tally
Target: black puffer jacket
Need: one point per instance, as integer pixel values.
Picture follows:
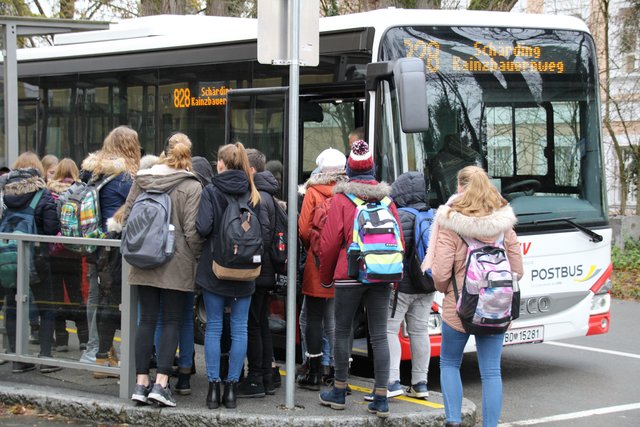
(267, 185)
(409, 190)
(212, 206)
(19, 188)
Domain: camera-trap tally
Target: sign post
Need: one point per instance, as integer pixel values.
(279, 35)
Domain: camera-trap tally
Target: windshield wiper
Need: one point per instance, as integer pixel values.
(595, 237)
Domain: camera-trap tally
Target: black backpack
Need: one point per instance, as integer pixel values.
(238, 247)
(278, 249)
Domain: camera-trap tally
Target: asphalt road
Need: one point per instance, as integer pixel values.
(589, 381)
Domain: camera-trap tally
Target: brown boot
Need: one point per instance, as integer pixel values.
(107, 362)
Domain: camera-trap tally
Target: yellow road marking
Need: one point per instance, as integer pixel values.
(408, 399)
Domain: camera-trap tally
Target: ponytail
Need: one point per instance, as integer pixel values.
(234, 156)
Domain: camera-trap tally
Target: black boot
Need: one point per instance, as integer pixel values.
(313, 379)
(183, 386)
(213, 396)
(452, 424)
(229, 395)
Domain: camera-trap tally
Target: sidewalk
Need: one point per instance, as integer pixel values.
(76, 394)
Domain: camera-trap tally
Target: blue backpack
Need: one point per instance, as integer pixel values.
(422, 232)
(18, 222)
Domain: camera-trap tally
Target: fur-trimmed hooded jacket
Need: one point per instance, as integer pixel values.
(451, 251)
(316, 190)
(337, 233)
(184, 190)
(115, 192)
(19, 188)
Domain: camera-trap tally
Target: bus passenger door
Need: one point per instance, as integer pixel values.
(258, 118)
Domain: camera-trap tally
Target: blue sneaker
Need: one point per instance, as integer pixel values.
(419, 390)
(335, 398)
(393, 390)
(379, 406)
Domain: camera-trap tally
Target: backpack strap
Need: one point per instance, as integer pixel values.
(101, 182)
(36, 198)
(453, 273)
(355, 199)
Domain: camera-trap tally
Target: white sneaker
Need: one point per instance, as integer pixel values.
(88, 357)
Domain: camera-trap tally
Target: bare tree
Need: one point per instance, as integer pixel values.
(620, 93)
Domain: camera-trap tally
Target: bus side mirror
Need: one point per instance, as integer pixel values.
(411, 87)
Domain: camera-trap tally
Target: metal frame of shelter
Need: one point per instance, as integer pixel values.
(14, 27)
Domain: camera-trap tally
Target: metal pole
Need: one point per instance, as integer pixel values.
(292, 208)
(10, 93)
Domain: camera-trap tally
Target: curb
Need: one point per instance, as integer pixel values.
(108, 409)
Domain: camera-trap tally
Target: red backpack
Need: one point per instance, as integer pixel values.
(318, 220)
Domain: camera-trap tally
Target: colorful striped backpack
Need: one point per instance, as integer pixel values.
(376, 253)
(79, 209)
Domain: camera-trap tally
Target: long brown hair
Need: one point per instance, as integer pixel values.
(177, 152)
(28, 160)
(479, 196)
(67, 168)
(234, 156)
(122, 142)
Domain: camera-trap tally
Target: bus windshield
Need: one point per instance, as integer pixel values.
(523, 104)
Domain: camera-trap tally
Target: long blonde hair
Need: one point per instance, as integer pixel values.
(67, 168)
(29, 160)
(479, 197)
(234, 156)
(177, 152)
(122, 142)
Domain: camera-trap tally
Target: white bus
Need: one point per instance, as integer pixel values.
(516, 94)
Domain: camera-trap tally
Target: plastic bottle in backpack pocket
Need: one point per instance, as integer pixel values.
(353, 261)
(171, 240)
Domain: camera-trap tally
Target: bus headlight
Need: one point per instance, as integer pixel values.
(435, 324)
(601, 303)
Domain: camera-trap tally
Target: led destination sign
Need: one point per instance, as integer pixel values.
(487, 50)
(209, 94)
(488, 57)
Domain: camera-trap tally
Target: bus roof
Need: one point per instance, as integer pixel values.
(174, 31)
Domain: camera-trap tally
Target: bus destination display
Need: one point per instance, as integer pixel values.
(489, 57)
(209, 94)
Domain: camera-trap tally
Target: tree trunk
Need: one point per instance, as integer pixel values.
(67, 9)
(218, 8)
(495, 5)
(160, 7)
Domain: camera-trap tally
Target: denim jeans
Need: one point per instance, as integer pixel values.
(415, 309)
(93, 300)
(489, 349)
(320, 324)
(376, 301)
(214, 305)
(185, 343)
(328, 335)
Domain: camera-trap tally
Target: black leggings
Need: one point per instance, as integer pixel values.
(149, 298)
(66, 274)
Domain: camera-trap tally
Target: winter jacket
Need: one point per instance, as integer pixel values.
(212, 206)
(451, 251)
(21, 185)
(115, 192)
(316, 190)
(409, 190)
(58, 187)
(267, 185)
(338, 230)
(184, 190)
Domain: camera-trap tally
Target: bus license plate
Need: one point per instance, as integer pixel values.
(524, 335)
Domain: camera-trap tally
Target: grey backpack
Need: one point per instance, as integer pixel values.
(148, 237)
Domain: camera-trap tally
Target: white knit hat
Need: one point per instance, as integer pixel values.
(331, 160)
